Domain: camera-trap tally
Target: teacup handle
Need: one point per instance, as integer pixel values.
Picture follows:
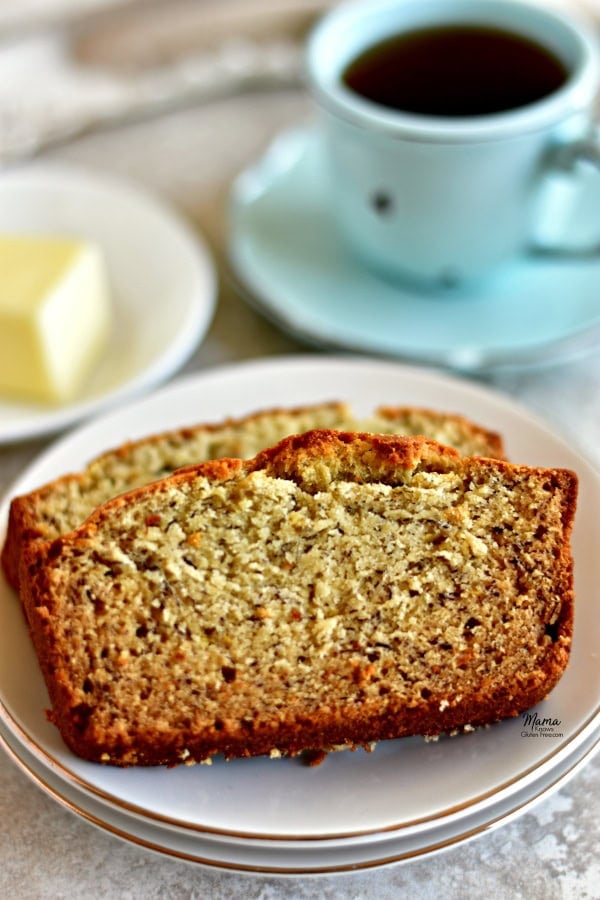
(565, 160)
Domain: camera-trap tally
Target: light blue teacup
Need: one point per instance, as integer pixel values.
(444, 200)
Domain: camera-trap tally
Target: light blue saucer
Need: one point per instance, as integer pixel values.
(286, 253)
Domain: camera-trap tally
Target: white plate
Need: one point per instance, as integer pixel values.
(161, 275)
(405, 786)
(285, 249)
(305, 858)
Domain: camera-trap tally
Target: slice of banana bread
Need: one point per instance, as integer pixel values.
(338, 589)
(64, 504)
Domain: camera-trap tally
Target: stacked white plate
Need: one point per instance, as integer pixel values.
(357, 810)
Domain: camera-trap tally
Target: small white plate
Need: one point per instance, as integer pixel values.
(161, 275)
(285, 250)
(403, 787)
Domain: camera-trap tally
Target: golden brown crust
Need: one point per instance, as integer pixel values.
(489, 443)
(350, 455)
(20, 531)
(360, 695)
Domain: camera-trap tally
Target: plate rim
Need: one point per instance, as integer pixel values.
(416, 826)
(560, 777)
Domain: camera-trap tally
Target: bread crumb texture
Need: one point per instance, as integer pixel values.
(338, 589)
(65, 503)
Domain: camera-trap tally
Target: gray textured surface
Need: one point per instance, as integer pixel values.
(46, 852)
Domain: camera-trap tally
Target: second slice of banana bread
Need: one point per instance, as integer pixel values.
(63, 504)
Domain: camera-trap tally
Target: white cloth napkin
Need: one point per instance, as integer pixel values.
(73, 67)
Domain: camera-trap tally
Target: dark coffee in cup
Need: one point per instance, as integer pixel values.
(455, 71)
(505, 94)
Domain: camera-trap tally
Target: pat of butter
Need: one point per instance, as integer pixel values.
(54, 316)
